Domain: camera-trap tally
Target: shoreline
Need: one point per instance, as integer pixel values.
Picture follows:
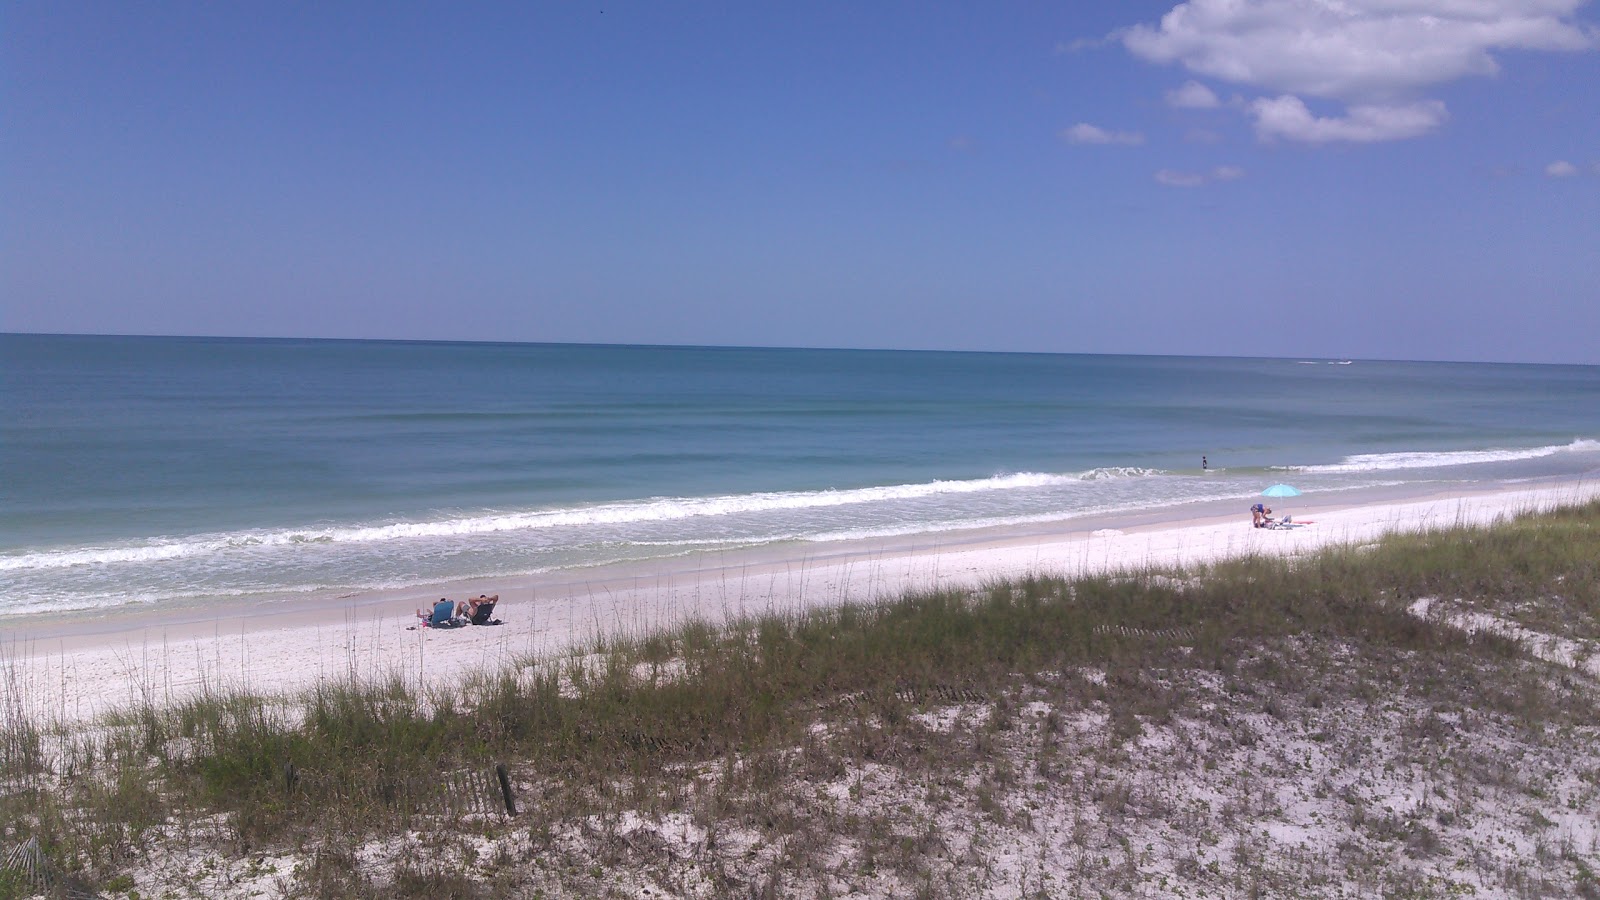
(94, 664)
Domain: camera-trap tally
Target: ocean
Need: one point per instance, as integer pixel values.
(142, 470)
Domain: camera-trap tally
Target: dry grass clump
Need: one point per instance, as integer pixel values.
(1260, 727)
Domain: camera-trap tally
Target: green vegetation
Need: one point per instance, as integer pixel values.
(739, 730)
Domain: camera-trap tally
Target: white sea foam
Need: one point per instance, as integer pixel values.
(658, 509)
(1107, 472)
(1378, 462)
(910, 528)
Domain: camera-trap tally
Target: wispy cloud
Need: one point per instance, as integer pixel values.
(1084, 133)
(1073, 46)
(1174, 178)
(1288, 117)
(1561, 169)
(1193, 95)
(1178, 178)
(1375, 56)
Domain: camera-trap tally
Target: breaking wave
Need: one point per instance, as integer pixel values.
(1379, 462)
(658, 509)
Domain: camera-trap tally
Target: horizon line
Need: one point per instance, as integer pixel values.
(693, 346)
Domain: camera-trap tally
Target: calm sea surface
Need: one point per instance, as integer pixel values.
(138, 470)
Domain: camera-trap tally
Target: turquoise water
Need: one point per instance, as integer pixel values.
(140, 470)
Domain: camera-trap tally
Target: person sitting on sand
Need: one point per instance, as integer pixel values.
(468, 608)
(443, 613)
(472, 611)
(1260, 516)
(480, 608)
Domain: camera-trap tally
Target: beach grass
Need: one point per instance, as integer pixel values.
(761, 741)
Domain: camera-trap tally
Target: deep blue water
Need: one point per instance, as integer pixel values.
(144, 469)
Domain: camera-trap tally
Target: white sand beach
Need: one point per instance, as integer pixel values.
(75, 668)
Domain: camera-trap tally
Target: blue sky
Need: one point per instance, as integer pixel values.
(1414, 179)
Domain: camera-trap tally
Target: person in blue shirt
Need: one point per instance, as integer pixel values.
(1260, 516)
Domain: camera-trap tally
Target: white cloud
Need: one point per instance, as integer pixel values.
(1373, 54)
(1176, 178)
(1193, 95)
(1084, 133)
(1353, 49)
(1561, 169)
(1287, 117)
